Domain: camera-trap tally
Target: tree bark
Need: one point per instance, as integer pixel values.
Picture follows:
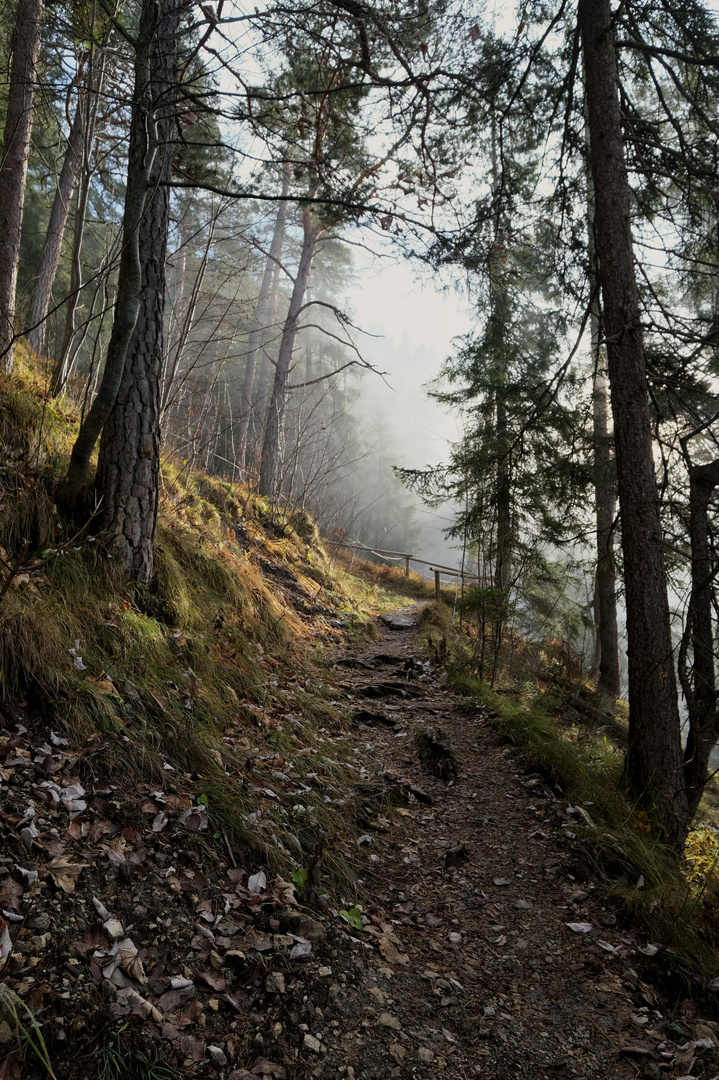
(145, 141)
(702, 699)
(50, 258)
(269, 466)
(605, 495)
(128, 469)
(260, 321)
(605, 485)
(25, 48)
(65, 360)
(654, 756)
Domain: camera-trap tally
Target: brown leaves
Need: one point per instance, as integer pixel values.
(65, 873)
(101, 683)
(390, 952)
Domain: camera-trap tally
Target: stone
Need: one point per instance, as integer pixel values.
(455, 938)
(217, 1056)
(425, 1055)
(397, 1052)
(275, 983)
(114, 929)
(389, 1021)
(6, 1034)
(313, 1044)
(323, 972)
(301, 925)
(522, 905)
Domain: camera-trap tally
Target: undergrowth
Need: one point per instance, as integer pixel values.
(208, 681)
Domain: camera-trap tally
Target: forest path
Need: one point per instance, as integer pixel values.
(473, 970)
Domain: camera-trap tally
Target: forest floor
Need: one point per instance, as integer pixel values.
(482, 951)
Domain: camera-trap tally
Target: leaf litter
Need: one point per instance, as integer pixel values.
(435, 964)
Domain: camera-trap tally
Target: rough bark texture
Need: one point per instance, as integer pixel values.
(145, 140)
(50, 258)
(605, 494)
(654, 757)
(702, 698)
(260, 321)
(129, 464)
(269, 466)
(605, 488)
(13, 167)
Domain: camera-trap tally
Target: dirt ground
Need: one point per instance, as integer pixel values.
(469, 950)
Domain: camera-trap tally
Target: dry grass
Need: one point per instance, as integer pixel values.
(217, 669)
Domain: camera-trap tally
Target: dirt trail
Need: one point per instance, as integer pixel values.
(478, 973)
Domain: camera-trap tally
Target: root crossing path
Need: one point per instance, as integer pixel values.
(485, 956)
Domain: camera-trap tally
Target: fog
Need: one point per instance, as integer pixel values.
(413, 323)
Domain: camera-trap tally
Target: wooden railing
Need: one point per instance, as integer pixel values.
(438, 571)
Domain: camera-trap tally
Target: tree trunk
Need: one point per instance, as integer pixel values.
(269, 465)
(145, 141)
(187, 314)
(654, 757)
(605, 485)
(65, 361)
(703, 720)
(605, 495)
(25, 47)
(503, 566)
(50, 257)
(128, 469)
(260, 320)
(265, 377)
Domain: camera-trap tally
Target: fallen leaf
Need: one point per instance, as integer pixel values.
(128, 1000)
(257, 883)
(65, 873)
(101, 683)
(390, 952)
(192, 1047)
(263, 1067)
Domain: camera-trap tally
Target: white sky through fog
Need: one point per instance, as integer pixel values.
(416, 323)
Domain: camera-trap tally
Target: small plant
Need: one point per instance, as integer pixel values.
(14, 1010)
(300, 877)
(353, 916)
(120, 1063)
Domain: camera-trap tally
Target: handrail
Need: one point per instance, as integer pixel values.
(438, 571)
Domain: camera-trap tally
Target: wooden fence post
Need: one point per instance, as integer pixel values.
(406, 568)
(436, 585)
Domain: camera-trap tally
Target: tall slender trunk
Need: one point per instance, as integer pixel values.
(266, 376)
(185, 328)
(605, 497)
(50, 258)
(145, 142)
(25, 47)
(65, 361)
(503, 564)
(605, 485)
(269, 466)
(128, 468)
(260, 321)
(702, 695)
(654, 757)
